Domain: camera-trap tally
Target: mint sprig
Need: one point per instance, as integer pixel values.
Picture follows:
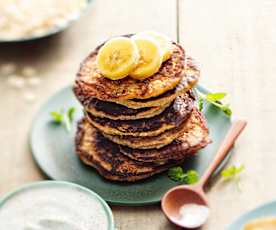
(214, 99)
(64, 118)
(232, 173)
(178, 174)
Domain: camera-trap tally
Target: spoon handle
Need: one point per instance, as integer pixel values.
(229, 140)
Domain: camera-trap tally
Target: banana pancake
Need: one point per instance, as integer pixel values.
(105, 156)
(190, 77)
(171, 118)
(114, 111)
(194, 138)
(163, 139)
(91, 83)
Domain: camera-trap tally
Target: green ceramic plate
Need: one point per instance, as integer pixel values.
(53, 150)
(57, 185)
(266, 210)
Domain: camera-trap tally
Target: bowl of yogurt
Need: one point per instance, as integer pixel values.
(24, 20)
(54, 205)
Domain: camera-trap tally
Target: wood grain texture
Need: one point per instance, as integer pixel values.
(57, 60)
(235, 41)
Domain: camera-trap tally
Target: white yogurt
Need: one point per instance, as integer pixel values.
(193, 215)
(55, 207)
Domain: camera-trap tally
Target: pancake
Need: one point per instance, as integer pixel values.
(115, 111)
(152, 142)
(195, 137)
(171, 118)
(105, 156)
(190, 77)
(90, 83)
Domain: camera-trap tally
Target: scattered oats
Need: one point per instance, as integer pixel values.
(33, 81)
(28, 71)
(16, 81)
(7, 69)
(29, 96)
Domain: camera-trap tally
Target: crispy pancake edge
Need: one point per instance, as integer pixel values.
(194, 139)
(152, 142)
(191, 75)
(148, 113)
(90, 158)
(90, 83)
(171, 118)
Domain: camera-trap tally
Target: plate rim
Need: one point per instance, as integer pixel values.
(109, 201)
(249, 212)
(6, 197)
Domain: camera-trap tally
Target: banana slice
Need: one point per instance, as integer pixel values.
(163, 41)
(118, 57)
(150, 58)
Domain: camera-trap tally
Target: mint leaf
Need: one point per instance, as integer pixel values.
(191, 177)
(64, 118)
(70, 113)
(212, 97)
(57, 117)
(200, 104)
(232, 172)
(176, 173)
(226, 110)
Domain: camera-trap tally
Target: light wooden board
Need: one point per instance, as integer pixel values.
(235, 41)
(57, 59)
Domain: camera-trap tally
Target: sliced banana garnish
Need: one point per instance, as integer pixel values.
(150, 57)
(118, 57)
(163, 41)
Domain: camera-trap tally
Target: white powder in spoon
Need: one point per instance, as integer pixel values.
(193, 215)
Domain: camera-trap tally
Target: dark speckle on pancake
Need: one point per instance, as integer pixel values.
(116, 111)
(172, 117)
(163, 139)
(193, 138)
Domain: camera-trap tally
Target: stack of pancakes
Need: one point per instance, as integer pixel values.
(134, 129)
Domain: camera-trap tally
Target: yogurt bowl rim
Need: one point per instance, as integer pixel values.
(6, 197)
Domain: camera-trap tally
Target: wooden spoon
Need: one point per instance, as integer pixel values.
(181, 195)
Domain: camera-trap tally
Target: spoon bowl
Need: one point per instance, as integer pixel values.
(181, 195)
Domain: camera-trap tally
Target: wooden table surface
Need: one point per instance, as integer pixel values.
(235, 42)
